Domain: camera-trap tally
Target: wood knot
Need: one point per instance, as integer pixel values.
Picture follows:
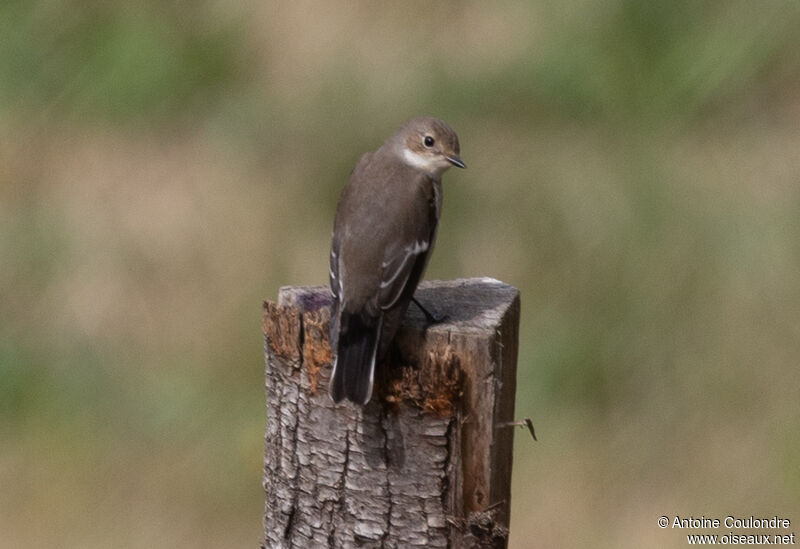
(481, 529)
(484, 531)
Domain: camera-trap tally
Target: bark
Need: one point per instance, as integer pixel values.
(427, 463)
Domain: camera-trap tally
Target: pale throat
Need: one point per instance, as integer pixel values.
(434, 165)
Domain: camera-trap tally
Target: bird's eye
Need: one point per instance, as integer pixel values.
(429, 141)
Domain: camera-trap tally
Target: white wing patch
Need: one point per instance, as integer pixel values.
(403, 269)
(418, 247)
(335, 279)
(411, 251)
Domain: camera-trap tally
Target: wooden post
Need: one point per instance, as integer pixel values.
(427, 463)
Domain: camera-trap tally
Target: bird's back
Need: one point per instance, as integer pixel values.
(384, 231)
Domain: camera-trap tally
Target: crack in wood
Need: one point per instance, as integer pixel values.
(388, 461)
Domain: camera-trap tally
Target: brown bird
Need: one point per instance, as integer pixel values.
(383, 234)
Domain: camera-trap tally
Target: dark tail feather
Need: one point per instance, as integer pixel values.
(354, 366)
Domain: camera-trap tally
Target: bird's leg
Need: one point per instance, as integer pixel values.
(428, 316)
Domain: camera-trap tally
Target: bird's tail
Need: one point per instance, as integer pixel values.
(356, 350)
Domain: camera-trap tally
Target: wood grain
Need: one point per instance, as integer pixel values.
(427, 462)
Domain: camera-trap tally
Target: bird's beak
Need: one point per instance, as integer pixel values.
(455, 161)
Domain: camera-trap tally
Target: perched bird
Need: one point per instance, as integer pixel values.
(383, 234)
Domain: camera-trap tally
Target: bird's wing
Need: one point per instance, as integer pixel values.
(404, 261)
(336, 288)
(397, 268)
(333, 269)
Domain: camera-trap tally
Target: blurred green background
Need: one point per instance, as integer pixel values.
(634, 168)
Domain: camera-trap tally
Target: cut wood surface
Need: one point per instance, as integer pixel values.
(427, 463)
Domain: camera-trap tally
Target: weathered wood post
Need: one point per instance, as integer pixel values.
(427, 463)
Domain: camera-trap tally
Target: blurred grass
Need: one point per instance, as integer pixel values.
(163, 168)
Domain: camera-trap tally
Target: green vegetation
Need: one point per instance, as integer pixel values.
(633, 169)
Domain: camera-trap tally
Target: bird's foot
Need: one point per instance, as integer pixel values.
(430, 317)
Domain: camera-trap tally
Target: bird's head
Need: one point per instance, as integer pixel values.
(428, 144)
